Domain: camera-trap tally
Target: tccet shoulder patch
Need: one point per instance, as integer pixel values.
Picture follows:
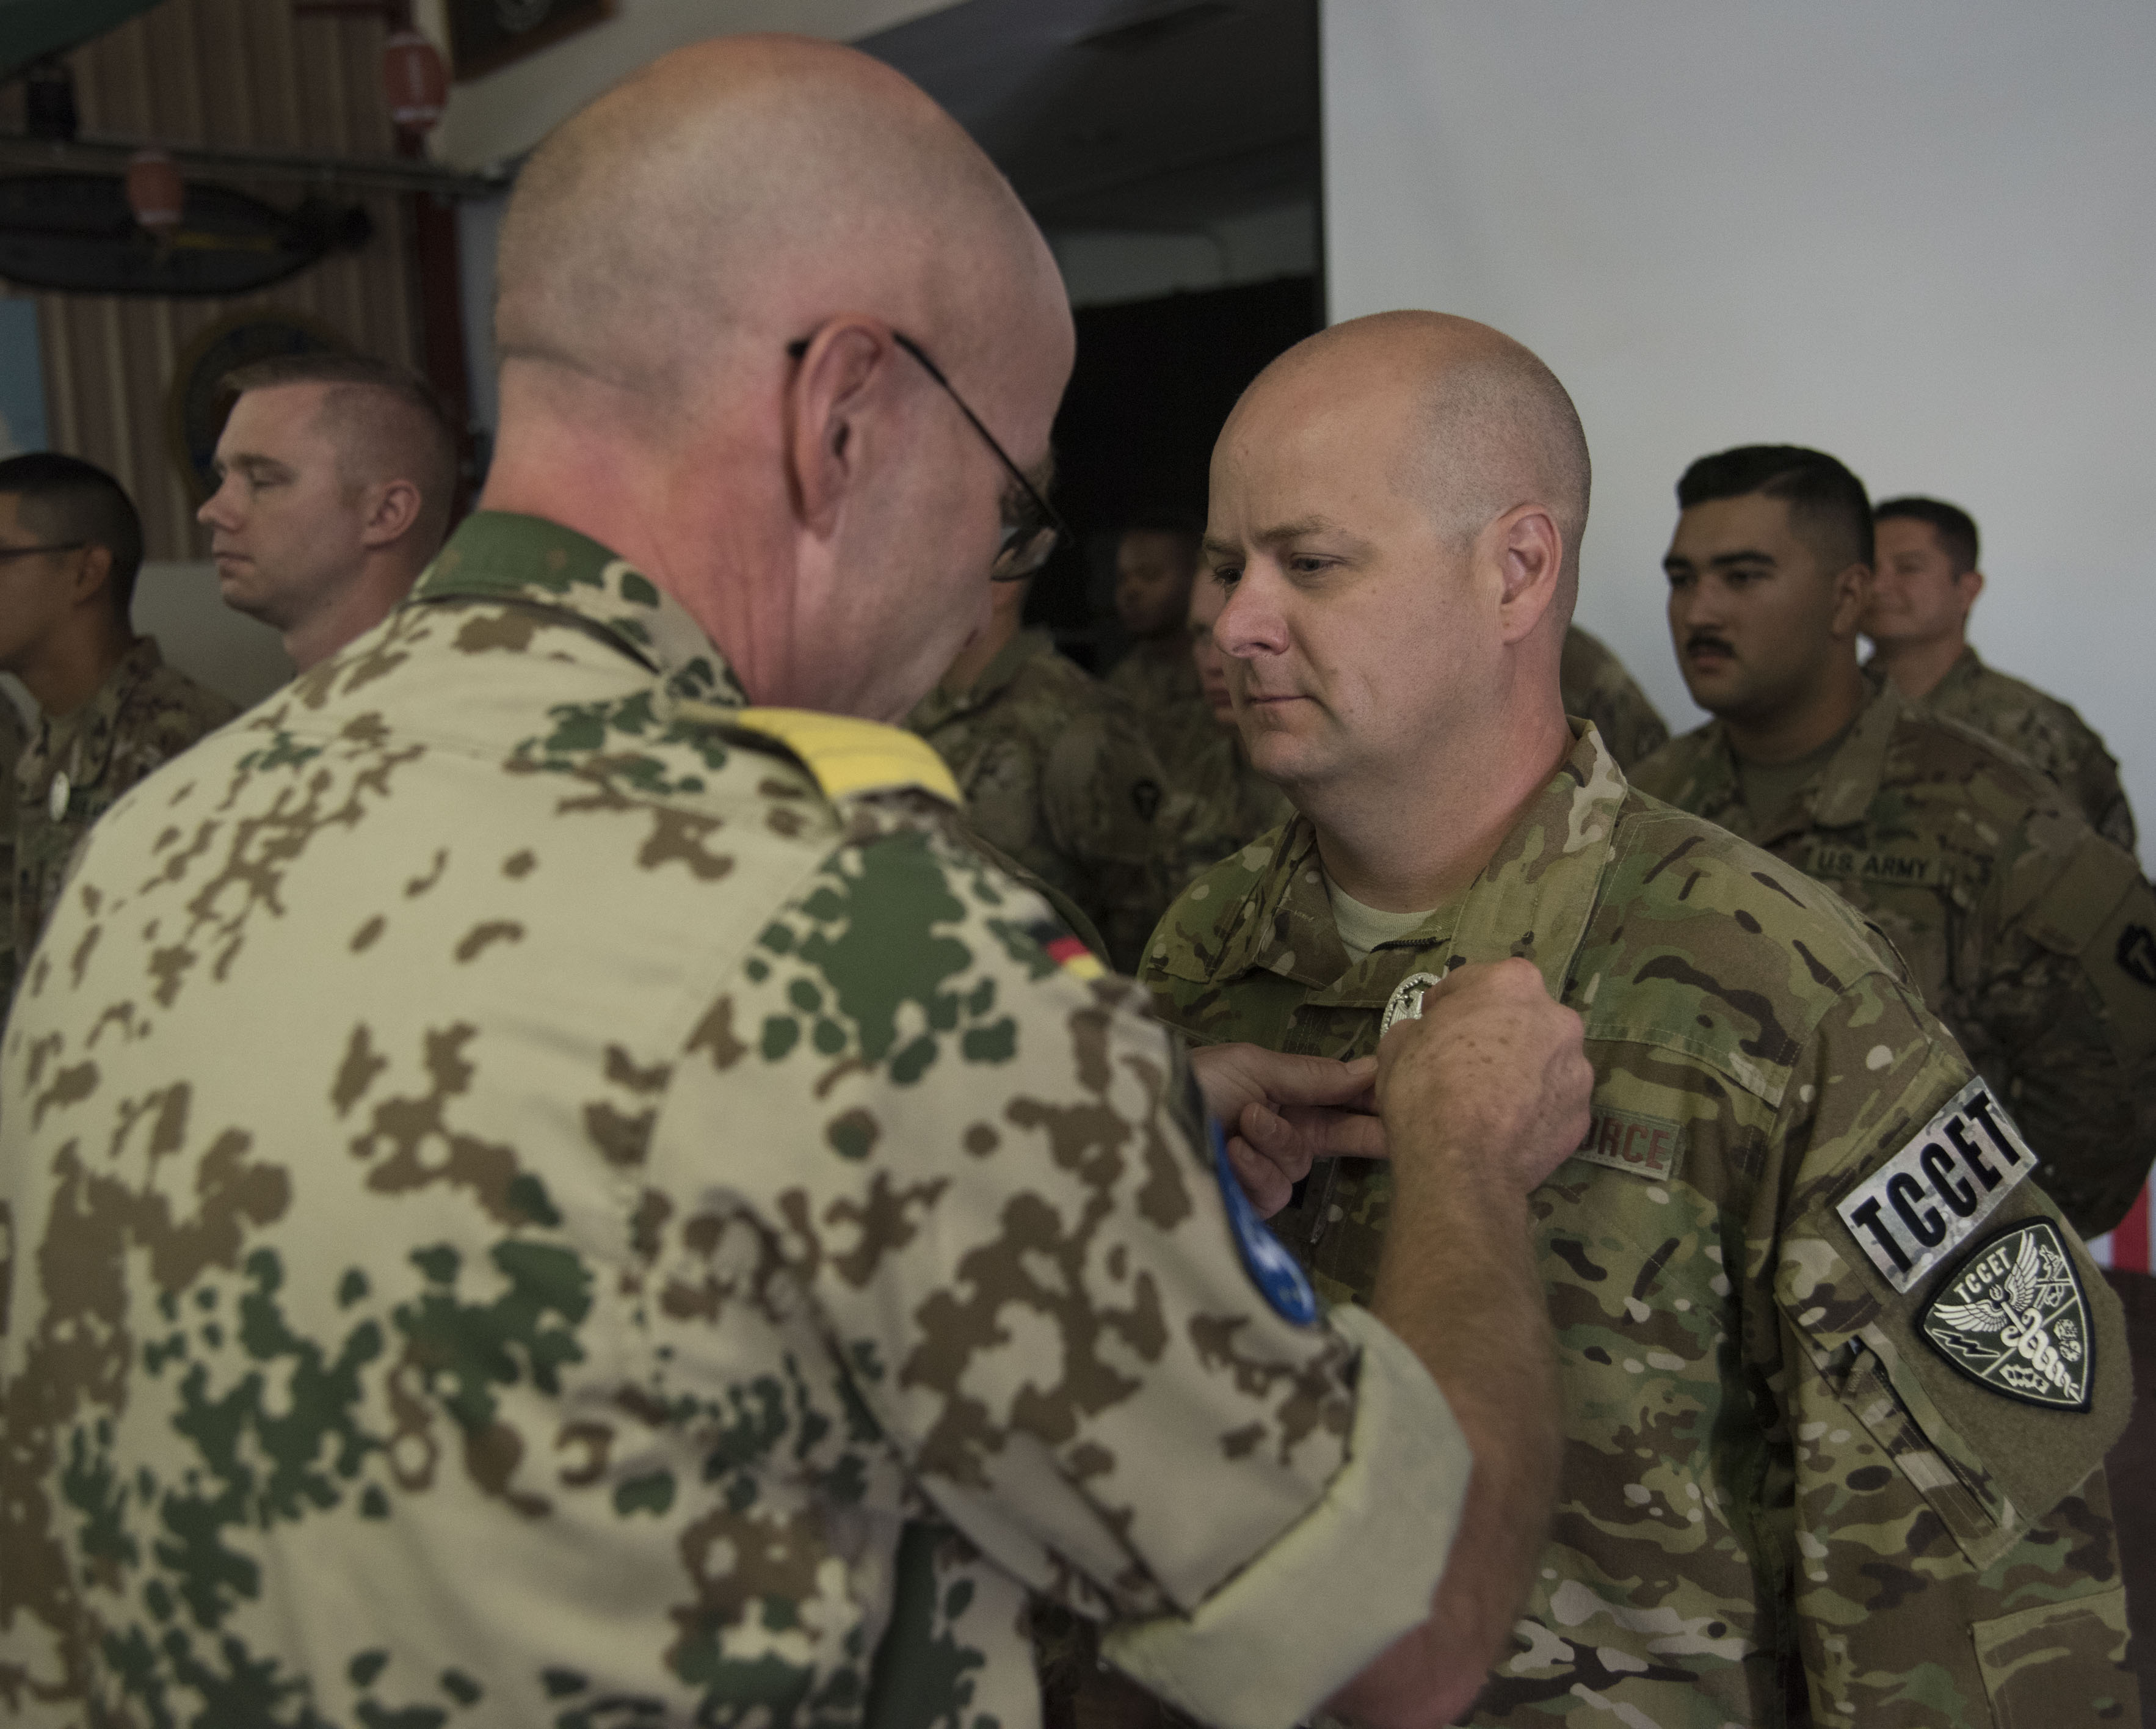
(2012, 1317)
(1929, 1198)
(1279, 1280)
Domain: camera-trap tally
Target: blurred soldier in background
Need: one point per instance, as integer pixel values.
(110, 710)
(335, 478)
(1225, 803)
(1923, 584)
(2028, 933)
(1597, 688)
(1055, 770)
(1156, 563)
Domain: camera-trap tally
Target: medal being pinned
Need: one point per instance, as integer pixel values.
(1405, 1003)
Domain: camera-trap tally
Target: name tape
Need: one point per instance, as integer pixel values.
(1909, 1214)
(1645, 1147)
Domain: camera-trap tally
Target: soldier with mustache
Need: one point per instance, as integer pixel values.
(2028, 933)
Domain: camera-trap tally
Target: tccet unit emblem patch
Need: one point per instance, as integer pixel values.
(2012, 1316)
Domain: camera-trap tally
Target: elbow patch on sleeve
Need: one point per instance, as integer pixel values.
(1356, 1571)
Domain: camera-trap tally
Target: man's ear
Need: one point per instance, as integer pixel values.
(833, 385)
(92, 576)
(1852, 591)
(1971, 584)
(388, 510)
(1530, 551)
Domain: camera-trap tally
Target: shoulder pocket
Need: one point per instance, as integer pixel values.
(1990, 1465)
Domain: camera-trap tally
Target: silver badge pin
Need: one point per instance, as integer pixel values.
(57, 801)
(1406, 1001)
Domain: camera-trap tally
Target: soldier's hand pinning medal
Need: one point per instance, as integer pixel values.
(1282, 1112)
(1459, 1064)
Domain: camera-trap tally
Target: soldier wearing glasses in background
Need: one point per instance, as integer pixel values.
(1055, 767)
(109, 709)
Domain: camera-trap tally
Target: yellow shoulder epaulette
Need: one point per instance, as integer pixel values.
(848, 756)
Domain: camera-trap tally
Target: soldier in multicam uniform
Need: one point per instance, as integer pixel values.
(1055, 771)
(2028, 934)
(1226, 803)
(1825, 1462)
(1156, 559)
(1596, 686)
(110, 710)
(1924, 581)
(537, 1193)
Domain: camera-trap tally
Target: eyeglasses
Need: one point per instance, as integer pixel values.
(24, 551)
(1032, 527)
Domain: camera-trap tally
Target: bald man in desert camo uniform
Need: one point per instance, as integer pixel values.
(1839, 1380)
(708, 1248)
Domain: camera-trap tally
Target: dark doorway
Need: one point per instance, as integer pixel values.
(1153, 381)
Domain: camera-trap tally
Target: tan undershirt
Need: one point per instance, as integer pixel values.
(1363, 928)
(1768, 787)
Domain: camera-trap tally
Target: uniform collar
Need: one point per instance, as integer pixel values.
(1533, 899)
(1965, 671)
(81, 741)
(1840, 795)
(939, 706)
(496, 555)
(1851, 780)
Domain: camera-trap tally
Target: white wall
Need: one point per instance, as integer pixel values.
(1921, 236)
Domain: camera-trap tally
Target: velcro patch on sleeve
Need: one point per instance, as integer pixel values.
(1625, 1140)
(1925, 1202)
(2012, 1317)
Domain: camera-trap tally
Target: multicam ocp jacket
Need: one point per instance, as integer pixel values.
(2049, 732)
(1221, 804)
(1801, 1485)
(1596, 686)
(73, 768)
(2032, 937)
(531, 1194)
(1056, 772)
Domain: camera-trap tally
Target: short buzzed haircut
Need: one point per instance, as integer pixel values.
(1955, 527)
(386, 422)
(1502, 419)
(63, 499)
(1828, 507)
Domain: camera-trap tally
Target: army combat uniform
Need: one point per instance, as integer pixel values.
(534, 1195)
(1223, 803)
(72, 768)
(2045, 730)
(1056, 772)
(2028, 934)
(1808, 1477)
(1596, 686)
(1159, 680)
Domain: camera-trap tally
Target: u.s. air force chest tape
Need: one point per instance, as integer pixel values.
(1931, 1196)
